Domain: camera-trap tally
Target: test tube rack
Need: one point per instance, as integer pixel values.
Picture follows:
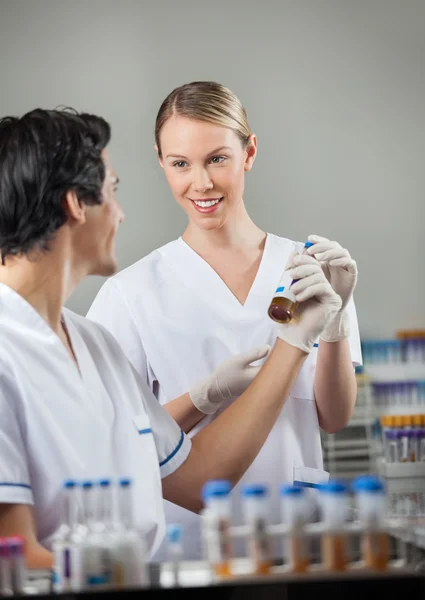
(395, 528)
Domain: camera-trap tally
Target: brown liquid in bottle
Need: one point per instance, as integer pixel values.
(298, 555)
(282, 309)
(375, 549)
(333, 552)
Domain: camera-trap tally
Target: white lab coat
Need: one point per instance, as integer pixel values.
(176, 321)
(58, 423)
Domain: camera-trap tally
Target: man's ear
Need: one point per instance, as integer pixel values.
(74, 208)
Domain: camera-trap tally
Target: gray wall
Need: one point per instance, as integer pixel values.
(335, 91)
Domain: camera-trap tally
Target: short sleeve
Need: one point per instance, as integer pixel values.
(110, 309)
(354, 339)
(172, 445)
(15, 484)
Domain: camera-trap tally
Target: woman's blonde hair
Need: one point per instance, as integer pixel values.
(205, 101)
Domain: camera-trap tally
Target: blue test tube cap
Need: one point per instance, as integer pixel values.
(334, 486)
(308, 244)
(174, 533)
(87, 484)
(216, 488)
(104, 482)
(289, 489)
(125, 482)
(369, 484)
(68, 484)
(257, 490)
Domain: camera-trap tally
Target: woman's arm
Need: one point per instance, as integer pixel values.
(335, 385)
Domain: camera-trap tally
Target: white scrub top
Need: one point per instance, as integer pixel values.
(177, 321)
(58, 422)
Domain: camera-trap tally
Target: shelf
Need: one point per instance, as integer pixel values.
(364, 443)
(402, 470)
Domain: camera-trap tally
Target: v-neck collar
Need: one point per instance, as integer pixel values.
(217, 281)
(197, 272)
(20, 308)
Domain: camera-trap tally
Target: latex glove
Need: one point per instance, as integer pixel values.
(318, 303)
(341, 272)
(228, 381)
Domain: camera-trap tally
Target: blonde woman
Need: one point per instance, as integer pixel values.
(193, 303)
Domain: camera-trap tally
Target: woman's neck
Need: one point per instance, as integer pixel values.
(238, 233)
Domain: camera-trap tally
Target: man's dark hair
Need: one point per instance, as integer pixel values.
(43, 155)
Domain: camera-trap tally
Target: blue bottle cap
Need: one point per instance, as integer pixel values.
(216, 488)
(125, 482)
(308, 244)
(69, 484)
(292, 490)
(86, 485)
(368, 483)
(174, 533)
(255, 489)
(104, 482)
(334, 486)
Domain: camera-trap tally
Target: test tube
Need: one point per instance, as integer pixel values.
(391, 446)
(283, 306)
(175, 549)
(293, 509)
(415, 439)
(371, 502)
(215, 494)
(17, 564)
(334, 503)
(422, 445)
(255, 509)
(5, 571)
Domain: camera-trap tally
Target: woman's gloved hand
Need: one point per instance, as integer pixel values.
(228, 381)
(341, 272)
(318, 303)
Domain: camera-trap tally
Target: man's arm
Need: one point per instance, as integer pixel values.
(227, 446)
(184, 412)
(18, 519)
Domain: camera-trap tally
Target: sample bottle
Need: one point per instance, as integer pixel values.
(17, 564)
(216, 497)
(99, 543)
(283, 306)
(66, 545)
(5, 571)
(175, 549)
(293, 509)
(255, 511)
(334, 503)
(371, 502)
(130, 552)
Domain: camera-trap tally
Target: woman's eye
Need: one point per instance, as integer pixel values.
(217, 159)
(180, 164)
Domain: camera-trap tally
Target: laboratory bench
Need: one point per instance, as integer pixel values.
(359, 584)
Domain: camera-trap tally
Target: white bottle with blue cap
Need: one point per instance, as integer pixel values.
(334, 505)
(371, 501)
(255, 510)
(216, 525)
(99, 543)
(130, 551)
(294, 509)
(67, 544)
(175, 549)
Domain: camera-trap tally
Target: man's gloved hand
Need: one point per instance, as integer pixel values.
(318, 303)
(228, 381)
(341, 272)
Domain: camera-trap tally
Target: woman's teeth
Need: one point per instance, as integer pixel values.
(207, 203)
